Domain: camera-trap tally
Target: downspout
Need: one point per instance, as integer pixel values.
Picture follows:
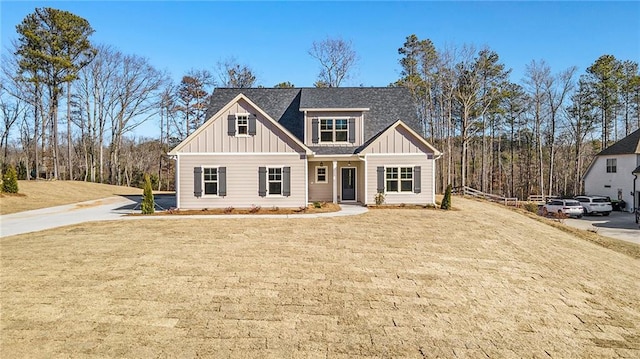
(635, 199)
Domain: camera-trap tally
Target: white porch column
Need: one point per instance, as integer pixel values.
(335, 181)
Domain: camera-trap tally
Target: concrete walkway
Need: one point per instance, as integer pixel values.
(118, 208)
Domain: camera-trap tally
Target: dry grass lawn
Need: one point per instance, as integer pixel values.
(43, 194)
(481, 281)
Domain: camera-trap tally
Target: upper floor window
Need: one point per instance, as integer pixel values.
(611, 165)
(242, 124)
(334, 130)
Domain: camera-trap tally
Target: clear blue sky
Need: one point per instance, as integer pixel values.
(273, 37)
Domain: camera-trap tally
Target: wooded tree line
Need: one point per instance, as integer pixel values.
(69, 109)
(535, 136)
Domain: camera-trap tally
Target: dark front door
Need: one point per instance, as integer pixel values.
(348, 184)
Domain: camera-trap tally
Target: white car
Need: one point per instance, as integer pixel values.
(595, 205)
(569, 207)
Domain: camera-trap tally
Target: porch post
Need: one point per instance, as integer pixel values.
(335, 181)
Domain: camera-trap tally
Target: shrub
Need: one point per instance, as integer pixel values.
(379, 198)
(228, 210)
(10, 180)
(446, 201)
(254, 209)
(317, 204)
(147, 197)
(531, 207)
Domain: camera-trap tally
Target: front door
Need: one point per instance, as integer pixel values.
(348, 184)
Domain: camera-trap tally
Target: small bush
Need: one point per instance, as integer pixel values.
(148, 203)
(531, 207)
(317, 204)
(379, 198)
(254, 209)
(10, 180)
(446, 201)
(228, 210)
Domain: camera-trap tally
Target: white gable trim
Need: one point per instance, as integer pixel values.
(225, 109)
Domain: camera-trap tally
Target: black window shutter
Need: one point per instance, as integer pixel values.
(286, 181)
(231, 121)
(262, 181)
(380, 179)
(417, 180)
(222, 181)
(252, 125)
(197, 181)
(314, 130)
(352, 130)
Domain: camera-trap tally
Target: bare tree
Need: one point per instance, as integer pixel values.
(234, 75)
(337, 59)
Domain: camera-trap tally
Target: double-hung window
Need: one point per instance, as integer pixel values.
(334, 130)
(321, 174)
(399, 179)
(612, 165)
(242, 124)
(210, 180)
(326, 130)
(275, 180)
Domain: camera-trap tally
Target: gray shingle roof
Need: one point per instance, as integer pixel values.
(386, 105)
(627, 145)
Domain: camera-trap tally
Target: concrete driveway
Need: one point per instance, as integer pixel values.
(618, 225)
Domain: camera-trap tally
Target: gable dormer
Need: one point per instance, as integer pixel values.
(334, 126)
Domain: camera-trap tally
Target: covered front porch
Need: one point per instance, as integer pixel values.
(337, 179)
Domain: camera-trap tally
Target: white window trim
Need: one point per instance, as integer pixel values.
(247, 115)
(326, 174)
(615, 167)
(399, 180)
(204, 194)
(333, 132)
(281, 181)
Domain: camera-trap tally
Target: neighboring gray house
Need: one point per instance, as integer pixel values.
(613, 172)
(289, 147)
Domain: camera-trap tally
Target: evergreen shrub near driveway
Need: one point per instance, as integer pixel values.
(147, 197)
(10, 180)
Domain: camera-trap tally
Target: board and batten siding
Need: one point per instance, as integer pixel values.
(426, 195)
(215, 137)
(242, 180)
(397, 141)
(308, 126)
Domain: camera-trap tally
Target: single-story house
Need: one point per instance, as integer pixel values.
(613, 172)
(291, 147)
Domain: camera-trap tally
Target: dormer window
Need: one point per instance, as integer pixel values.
(334, 130)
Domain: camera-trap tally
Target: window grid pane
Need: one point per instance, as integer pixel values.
(210, 176)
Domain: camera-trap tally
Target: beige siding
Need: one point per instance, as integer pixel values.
(426, 171)
(322, 192)
(242, 181)
(397, 141)
(214, 138)
(358, 115)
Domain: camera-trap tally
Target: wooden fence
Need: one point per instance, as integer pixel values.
(468, 191)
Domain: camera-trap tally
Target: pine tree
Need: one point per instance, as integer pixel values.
(147, 196)
(446, 201)
(10, 180)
